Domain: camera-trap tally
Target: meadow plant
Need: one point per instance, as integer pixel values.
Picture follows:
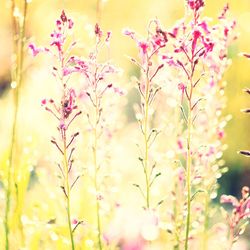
(18, 18)
(96, 79)
(65, 110)
(98, 85)
(200, 56)
(149, 48)
(190, 62)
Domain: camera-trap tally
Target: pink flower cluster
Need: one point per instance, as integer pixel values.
(155, 41)
(241, 208)
(64, 110)
(195, 4)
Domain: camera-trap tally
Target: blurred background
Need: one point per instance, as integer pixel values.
(116, 15)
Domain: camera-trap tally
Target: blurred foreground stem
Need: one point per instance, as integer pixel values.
(18, 26)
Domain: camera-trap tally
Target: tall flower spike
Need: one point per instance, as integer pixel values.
(199, 59)
(65, 110)
(149, 49)
(98, 86)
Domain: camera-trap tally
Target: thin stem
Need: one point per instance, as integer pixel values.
(67, 164)
(67, 189)
(188, 166)
(146, 121)
(97, 114)
(18, 46)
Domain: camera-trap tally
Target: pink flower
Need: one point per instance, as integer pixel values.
(62, 125)
(180, 144)
(143, 46)
(226, 30)
(220, 134)
(98, 31)
(74, 221)
(118, 91)
(69, 103)
(208, 46)
(196, 36)
(195, 4)
(43, 102)
(174, 32)
(181, 174)
(130, 33)
(182, 87)
(71, 23)
(109, 33)
(204, 26)
(63, 17)
(160, 38)
(35, 50)
(229, 199)
(57, 40)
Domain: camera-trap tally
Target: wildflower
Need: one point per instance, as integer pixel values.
(98, 31)
(148, 48)
(35, 50)
(63, 17)
(241, 211)
(143, 46)
(195, 4)
(65, 111)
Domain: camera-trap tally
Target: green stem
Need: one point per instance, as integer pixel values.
(66, 165)
(97, 112)
(188, 171)
(146, 121)
(19, 51)
(67, 190)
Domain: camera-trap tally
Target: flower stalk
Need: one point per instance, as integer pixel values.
(146, 123)
(97, 76)
(188, 171)
(148, 51)
(67, 187)
(17, 75)
(97, 118)
(64, 111)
